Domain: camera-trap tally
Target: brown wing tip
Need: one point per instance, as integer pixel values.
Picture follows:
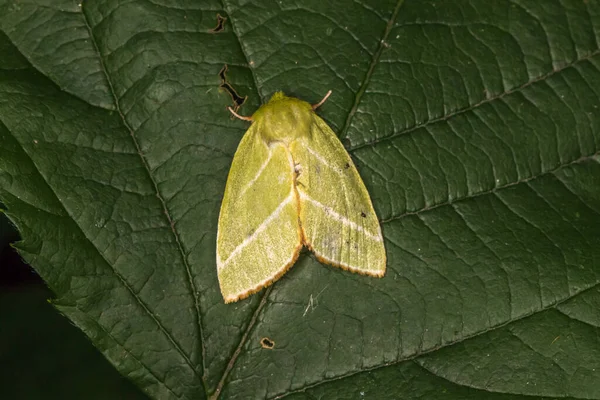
(258, 288)
(374, 274)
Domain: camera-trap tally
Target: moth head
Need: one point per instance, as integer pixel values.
(284, 118)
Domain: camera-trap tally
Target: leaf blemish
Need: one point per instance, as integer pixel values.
(347, 166)
(267, 343)
(362, 214)
(220, 24)
(236, 98)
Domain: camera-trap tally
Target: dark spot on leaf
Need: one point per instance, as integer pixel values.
(267, 343)
(236, 98)
(250, 232)
(362, 214)
(347, 166)
(220, 24)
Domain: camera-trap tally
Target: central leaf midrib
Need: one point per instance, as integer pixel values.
(259, 308)
(376, 141)
(192, 287)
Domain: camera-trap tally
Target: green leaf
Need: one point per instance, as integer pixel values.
(8, 233)
(475, 126)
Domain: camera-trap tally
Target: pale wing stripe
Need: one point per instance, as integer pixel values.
(258, 230)
(329, 211)
(258, 174)
(323, 160)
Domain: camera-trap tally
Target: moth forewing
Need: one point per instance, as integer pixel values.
(292, 183)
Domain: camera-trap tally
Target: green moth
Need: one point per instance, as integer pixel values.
(292, 184)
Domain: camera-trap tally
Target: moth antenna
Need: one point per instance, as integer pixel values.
(239, 116)
(319, 104)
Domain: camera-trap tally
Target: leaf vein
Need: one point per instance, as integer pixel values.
(374, 62)
(193, 289)
(483, 193)
(393, 135)
(415, 356)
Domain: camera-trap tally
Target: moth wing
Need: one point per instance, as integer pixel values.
(336, 214)
(259, 235)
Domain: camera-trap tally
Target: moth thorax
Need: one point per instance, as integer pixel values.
(284, 120)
